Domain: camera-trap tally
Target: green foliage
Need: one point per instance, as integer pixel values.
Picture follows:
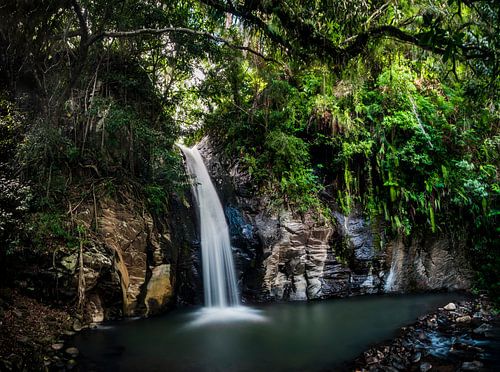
(15, 194)
(414, 149)
(156, 197)
(51, 228)
(11, 128)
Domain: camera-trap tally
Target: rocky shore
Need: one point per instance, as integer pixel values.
(462, 336)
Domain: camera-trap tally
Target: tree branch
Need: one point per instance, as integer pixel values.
(159, 31)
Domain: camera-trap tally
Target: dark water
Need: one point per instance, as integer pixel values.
(294, 337)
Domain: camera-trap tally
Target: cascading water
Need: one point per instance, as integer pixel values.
(218, 268)
(391, 283)
(221, 292)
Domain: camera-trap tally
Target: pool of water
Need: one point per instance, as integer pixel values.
(313, 336)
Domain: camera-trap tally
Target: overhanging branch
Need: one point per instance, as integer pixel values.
(159, 31)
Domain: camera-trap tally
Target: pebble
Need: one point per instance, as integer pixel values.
(416, 357)
(77, 326)
(57, 346)
(424, 367)
(72, 351)
(71, 364)
(450, 307)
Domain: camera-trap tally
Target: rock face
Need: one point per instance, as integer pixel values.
(281, 256)
(428, 262)
(132, 265)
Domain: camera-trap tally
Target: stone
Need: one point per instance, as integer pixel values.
(77, 326)
(58, 346)
(71, 364)
(450, 307)
(72, 351)
(475, 365)
(463, 319)
(69, 262)
(372, 360)
(424, 367)
(416, 358)
(482, 329)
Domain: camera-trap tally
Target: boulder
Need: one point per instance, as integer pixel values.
(450, 307)
(463, 319)
(159, 289)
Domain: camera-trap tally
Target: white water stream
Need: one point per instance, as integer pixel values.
(222, 302)
(219, 280)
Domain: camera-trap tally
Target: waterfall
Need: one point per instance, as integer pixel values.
(391, 283)
(219, 278)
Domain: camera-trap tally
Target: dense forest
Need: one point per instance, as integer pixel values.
(387, 108)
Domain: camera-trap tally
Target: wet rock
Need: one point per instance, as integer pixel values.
(450, 307)
(424, 367)
(72, 351)
(71, 364)
(449, 346)
(57, 346)
(416, 358)
(77, 326)
(372, 360)
(463, 319)
(472, 366)
(482, 329)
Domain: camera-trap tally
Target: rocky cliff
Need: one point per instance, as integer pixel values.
(134, 263)
(283, 256)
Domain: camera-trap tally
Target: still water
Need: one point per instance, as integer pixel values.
(314, 336)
